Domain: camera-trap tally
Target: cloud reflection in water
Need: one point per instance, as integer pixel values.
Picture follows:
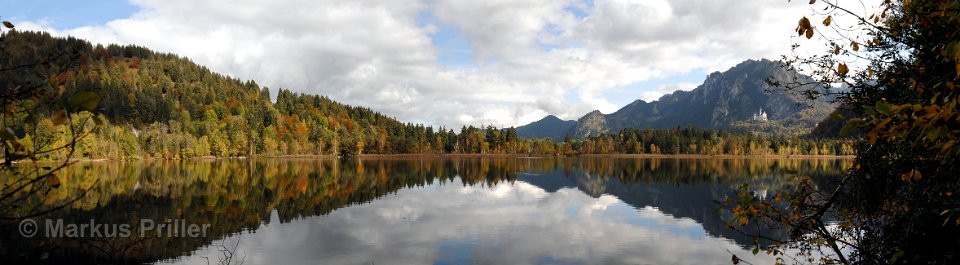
(509, 223)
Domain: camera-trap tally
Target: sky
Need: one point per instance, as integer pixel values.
(444, 62)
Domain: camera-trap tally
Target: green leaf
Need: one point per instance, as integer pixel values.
(85, 100)
(953, 49)
(755, 251)
(837, 116)
(846, 129)
(8, 24)
(884, 107)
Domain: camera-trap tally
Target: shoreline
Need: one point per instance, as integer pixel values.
(699, 156)
(436, 155)
(458, 155)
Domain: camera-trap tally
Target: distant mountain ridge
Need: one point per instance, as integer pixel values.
(733, 99)
(548, 127)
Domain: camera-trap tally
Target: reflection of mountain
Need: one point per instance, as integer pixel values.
(239, 195)
(661, 187)
(550, 181)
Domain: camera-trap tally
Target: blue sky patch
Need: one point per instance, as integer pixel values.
(67, 14)
(453, 49)
(455, 252)
(580, 11)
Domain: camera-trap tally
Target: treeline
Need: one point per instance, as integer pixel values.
(154, 105)
(700, 141)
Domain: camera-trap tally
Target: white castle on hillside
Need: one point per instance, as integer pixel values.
(760, 116)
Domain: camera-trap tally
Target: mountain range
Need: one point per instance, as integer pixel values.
(742, 98)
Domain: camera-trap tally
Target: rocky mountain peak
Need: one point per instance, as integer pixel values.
(728, 99)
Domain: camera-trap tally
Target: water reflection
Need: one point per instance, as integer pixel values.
(440, 211)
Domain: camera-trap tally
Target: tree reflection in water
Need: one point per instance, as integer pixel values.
(237, 196)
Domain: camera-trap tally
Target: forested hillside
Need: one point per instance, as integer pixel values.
(162, 105)
(154, 105)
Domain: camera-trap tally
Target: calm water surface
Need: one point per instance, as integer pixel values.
(427, 211)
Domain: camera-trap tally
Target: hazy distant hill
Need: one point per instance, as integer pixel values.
(734, 99)
(549, 126)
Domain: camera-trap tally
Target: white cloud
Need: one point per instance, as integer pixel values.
(531, 55)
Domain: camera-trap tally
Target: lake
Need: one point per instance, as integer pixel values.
(415, 211)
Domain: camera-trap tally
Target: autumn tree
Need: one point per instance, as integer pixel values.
(900, 203)
(39, 120)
